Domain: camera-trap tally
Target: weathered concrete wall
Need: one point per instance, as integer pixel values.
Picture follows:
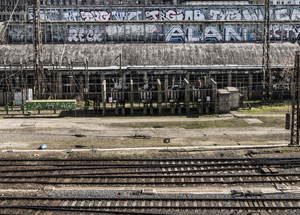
(103, 55)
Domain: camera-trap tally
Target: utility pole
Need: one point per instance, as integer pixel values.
(295, 105)
(266, 54)
(37, 47)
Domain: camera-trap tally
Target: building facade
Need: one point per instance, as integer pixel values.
(155, 41)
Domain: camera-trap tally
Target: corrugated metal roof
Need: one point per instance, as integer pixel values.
(156, 55)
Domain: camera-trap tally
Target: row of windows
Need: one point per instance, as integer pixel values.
(6, 5)
(93, 2)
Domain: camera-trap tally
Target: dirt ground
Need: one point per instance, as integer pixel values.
(114, 132)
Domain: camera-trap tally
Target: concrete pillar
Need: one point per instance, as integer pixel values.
(17, 80)
(187, 76)
(72, 86)
(208, 77)
(117, 109)
(199, 107)
(60, 87)
(123, 81)
(131, 97)
(145, 109)
(213, 99)
(271, 84)
(166, 87)
(250, 89)
(159, 98)
(202, 104)
(123, 110)
(87, 84)
(81, 87)
(151, 109)
(145, 76)
(187, 96)
(103, 91)
(179, 108)
(172, 107)
(102, 77)
(292, 90)
(229, 79)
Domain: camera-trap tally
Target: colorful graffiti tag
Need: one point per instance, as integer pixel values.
(239, 12)
(175, 34)
(150, 32)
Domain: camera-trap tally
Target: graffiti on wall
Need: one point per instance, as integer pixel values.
(176, 33)
(281, 86)
(95, 15)
(97, 35)
(82, 35)
(160, 15)
(181, 13)
(18, 34)
(148, 32)
(50, 105)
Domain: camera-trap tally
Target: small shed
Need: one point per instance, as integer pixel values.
(233, 98)
(223, 96)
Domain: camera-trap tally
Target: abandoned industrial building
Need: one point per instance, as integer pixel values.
(178, 57)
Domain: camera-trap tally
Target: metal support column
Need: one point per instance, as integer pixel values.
(103, 91)
(266, 54)
(187, 96)
(131, 97)
(37, 46)
(295, 105)
(159, 97)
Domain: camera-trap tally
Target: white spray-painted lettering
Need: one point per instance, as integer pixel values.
(71, 16)
(176, 33)
(126, 15)
(94, 15)
(84, 35)
(239, 12)
(281, 87)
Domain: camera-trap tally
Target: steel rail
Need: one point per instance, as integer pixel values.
(149, 166)
(79, 208)
(154, 182)
(164, 172)
(145, 198)
(189, 164)
(75, 209)
(160, 159)
(152, 176)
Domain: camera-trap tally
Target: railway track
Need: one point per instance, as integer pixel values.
(145, 205)
(159, 172)
(10, 166)
(192, 180)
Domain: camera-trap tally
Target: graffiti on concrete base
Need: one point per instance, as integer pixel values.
(51, 105)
